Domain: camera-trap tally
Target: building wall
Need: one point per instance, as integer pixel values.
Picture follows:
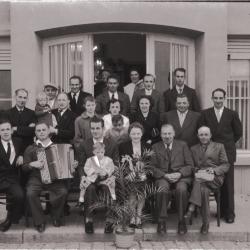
(26, 18)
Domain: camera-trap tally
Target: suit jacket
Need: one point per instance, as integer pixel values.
(179, 161)
(65, 126)
(215, 156)
(9, 173)
(168, 101)
(103, 99)
(188, 131)
(22, 121)
(126, 148)
(228, 131)
(85, 150)
(151, 125)
(78, 107)
(140, 92)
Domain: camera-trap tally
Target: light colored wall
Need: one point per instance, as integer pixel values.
(210, 18)
(238, 18)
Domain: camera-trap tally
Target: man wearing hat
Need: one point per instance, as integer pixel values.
(51, 91)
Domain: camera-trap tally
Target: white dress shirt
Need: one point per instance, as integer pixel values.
(111, 94)
(76, 95)
(12, 149)
(182, 116)
(218, 113)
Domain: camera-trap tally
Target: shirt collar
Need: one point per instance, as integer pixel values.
(178, 88)
(19, 109)
(180, 113)
(5, 143)
(148, 92)
(77, 94)
(115, 95)
(170, 145)
(220, 110)
(45, 146)
(95, 141)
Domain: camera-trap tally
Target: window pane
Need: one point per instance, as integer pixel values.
(162, 65)
(5, 84)
(5, 105)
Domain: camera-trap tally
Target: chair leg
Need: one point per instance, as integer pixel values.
(218, 208)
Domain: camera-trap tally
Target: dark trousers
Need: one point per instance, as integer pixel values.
(200, 195)
(92, 193)
(162, 198)
(15, 200)
(58, 193)
(227, 194)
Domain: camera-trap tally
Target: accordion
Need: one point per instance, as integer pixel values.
(58, 162)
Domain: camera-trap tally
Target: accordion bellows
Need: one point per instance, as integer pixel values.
(58, 162)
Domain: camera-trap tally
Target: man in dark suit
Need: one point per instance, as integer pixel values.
(76, 95)
(173, 166)
(210, 157)
(22, 119)
(58, 190)
(112, 93)
(185, 121)
(10, 161)
(226, 128)
(64, 132)
(84, 151)
(169, 96)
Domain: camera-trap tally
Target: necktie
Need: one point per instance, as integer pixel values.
(113, 96)
(181, 119)
(204, 148)
(169, 158)
(8, 151)
(74, 98)
(217, 113)
(180, 90)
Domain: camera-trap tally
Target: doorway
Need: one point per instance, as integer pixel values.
(118, 53)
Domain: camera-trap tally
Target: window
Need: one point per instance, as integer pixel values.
(5, 74)
(238, 96)
(65, 57)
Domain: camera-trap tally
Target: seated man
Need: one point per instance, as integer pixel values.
(85, 151)
(211, 164)
(10, 161)
(57, 189)
(173, 166)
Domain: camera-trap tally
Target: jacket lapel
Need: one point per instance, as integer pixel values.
(187, 121)
(174, 152)
(3, 154)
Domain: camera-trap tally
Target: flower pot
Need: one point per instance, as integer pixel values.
(124, 239)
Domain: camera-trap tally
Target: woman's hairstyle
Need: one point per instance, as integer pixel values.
(114, 101)
(135, 125)
(149, 98)
(41, 95)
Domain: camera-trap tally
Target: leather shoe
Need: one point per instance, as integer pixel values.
(4, 226)
(230, 220)
(161, 227)
(182, 228)
(57, 223)
(89, 228)
(41, 228)
(204, 229)
(108, 228)
(132, 225)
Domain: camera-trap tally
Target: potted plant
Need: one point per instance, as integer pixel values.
(131, 175)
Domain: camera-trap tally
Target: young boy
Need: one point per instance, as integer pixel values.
(118, 132)
(98, 170)
(43, 111)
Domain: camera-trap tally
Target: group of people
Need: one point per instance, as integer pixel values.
(193, 151)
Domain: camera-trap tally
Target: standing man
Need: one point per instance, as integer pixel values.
(148, 90)
(112, 93)
(10, 161)
(22, 119)
(169, 96)
(51, 91)
(76, 95)
(84, 151)
(64, 132)
(226, 128)
(184, 121)
(173, 166)
(57, 189)
(135, 84)
(101, 84)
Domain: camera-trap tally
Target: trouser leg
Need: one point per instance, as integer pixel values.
(34, 189)
(58, 194)
(181, 198)
(162, 199)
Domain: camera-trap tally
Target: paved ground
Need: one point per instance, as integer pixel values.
(145, 245)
